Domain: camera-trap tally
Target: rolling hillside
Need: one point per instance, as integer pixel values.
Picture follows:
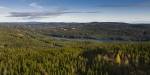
(27, 49)
(99, 31)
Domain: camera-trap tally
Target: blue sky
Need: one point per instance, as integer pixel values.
(132, 11)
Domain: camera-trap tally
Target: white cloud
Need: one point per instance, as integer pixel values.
(1, 7)
(35, 5)
(4, 11)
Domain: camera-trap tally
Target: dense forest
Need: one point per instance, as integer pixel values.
(106, 48)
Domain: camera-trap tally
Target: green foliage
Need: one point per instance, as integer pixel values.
(31, 53)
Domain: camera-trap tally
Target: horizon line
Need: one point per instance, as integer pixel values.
(80, 22)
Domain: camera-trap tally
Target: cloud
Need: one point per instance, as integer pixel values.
(39, 12)
(37, 15)
(33, 15)
(35, 5)
(4, 11)
(3, 8)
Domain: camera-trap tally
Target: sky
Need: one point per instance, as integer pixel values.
(130, 11)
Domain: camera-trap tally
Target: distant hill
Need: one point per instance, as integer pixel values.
(94, 30)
